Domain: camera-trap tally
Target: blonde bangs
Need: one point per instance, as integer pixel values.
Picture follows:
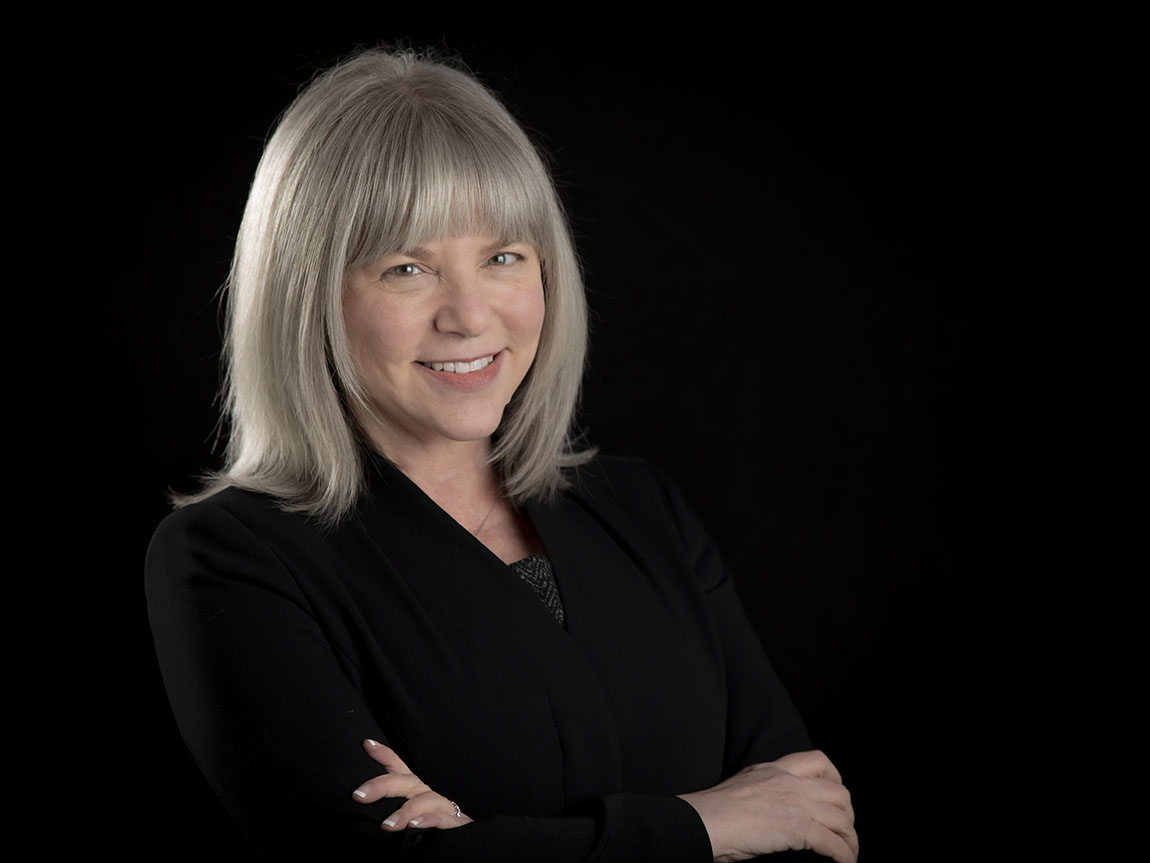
(436, 178)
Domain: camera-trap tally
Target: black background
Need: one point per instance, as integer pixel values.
(795, 272)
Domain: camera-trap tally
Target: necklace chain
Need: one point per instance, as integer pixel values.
(476, 531)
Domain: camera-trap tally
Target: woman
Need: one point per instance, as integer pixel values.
(409, 601)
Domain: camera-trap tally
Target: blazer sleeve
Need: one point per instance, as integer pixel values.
(274, 720)
(762, 721)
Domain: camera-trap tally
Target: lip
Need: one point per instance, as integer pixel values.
(466, 383)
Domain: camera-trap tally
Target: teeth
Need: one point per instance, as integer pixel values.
(461, 368)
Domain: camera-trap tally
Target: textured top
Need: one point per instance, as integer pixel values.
(536, 571)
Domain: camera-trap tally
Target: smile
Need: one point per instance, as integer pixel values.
(460, 367)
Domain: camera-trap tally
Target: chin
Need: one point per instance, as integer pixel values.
(469, 433)
(469, 427)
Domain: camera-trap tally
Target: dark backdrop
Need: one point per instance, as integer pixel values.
(797, 301)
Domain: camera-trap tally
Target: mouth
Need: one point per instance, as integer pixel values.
(460, 367)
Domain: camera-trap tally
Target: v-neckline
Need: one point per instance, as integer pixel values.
(388, 471)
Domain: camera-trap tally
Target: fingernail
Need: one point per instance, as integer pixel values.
(414, 822)
(390, 822)
(371, 742)
(359, 792)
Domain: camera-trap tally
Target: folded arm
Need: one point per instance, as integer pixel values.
(273, 716)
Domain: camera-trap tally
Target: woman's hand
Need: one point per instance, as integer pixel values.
(424, 808)
(796, 803)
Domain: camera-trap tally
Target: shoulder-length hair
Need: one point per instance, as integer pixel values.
(379, 154)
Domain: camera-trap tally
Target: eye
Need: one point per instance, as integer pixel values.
(403, 270)
(503, 259)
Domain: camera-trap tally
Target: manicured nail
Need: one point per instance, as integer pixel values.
(390, 822)
(414, 822)
(371, 742)
(359, 792)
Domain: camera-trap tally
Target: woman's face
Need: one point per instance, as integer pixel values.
(443, 335)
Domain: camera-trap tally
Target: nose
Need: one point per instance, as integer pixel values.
(465, 309)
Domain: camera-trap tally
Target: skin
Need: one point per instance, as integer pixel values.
(424, 808)
(796, 803)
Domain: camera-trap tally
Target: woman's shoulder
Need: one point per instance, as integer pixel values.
(229, 503)
(638, 501)
(231, 516)
(622, 478)
(229, 538)
(630, 490)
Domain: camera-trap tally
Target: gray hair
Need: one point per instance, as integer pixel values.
(378, 154)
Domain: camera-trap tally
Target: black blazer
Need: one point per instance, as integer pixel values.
(284, 645)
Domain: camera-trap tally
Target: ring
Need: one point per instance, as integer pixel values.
(455, 806)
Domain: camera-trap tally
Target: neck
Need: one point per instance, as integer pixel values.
(463, 484)
(458, 477)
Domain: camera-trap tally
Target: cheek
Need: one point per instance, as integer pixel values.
(353, 331)
(377, 333)
(362, 340)
(531, 313)
(354, 323)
